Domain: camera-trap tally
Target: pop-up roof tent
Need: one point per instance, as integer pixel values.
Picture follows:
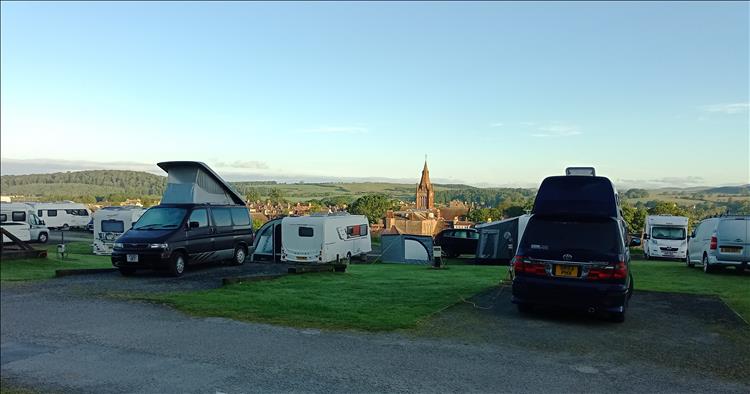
(194, 182)
(498, 240)
(404, 248)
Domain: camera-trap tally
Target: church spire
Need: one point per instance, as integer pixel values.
(425, 193)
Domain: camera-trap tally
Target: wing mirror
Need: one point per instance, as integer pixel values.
(646, 236)
(192, 225)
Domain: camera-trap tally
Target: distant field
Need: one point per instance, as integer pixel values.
(307, 191)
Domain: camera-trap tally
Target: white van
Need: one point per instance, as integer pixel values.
(63, 215)
(20, 230)
(22, 212)
(665, 237)
(110, 223)
(322, 239)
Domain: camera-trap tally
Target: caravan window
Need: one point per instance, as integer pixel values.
(51, 212)
(222, 217)
(305, 232)
(240, 216)
(363, 229)
(83, 212)
(3, 217)
(18, 216)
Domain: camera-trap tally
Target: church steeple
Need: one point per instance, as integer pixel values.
(425, 192)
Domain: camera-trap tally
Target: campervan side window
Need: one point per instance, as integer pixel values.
(200, 216)
(18, 216)
(39, 213)
(305, 232)
(240, 216)
(222, 217)
(52, 212)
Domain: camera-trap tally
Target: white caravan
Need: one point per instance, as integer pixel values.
(64, 215)
(665, 237)
(24, 213)
(324, 239)
(20, 229)
(110, 223)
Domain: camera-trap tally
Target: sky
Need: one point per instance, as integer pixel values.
(494, 93)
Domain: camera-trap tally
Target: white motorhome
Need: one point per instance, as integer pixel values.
(24, 213)
(665, 237)
(323, 239)
(20, 229)
(63, 215)
(110, 223)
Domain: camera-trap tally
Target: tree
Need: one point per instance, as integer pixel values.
(257, 223)
(252, 195)
(275, 196)
(373, 206)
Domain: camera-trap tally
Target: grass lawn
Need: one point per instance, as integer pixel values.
(732, 287)
(30, 269)
(371, 297)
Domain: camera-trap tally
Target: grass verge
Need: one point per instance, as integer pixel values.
(80, 256)
(675, 277)
(375, 297)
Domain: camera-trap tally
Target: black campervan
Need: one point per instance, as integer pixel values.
(574, 251)
(200, 219)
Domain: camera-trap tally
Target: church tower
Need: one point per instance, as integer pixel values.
(425, 192)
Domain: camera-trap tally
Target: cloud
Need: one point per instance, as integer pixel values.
(497, 124)
(557, 130)
(337, 130)
(729, 109)
(681, 182)
(250, 164)
(42, 166)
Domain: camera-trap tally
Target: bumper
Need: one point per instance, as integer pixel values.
(679, 254)
(574, 294)
(146, 258)
(713, 260)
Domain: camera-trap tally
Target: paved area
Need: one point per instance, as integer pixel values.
(60, 335)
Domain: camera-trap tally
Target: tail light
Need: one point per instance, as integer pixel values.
(617, 271)
(524, 265)
(714, 242)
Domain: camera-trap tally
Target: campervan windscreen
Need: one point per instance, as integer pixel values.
(113, 226)
(658, 232)
(160, 218)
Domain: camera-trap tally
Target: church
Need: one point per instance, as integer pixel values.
(424, 218)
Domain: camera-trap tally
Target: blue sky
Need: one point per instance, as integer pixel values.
(494, 93)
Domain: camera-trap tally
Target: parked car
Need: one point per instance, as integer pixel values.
(455, 242)
(720, 242)
(201, 219)
(574, 251)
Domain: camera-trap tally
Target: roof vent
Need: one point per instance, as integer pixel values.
(585, 171)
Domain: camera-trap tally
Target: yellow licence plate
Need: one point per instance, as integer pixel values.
(566, 270)
(730, 249)
(301, 258)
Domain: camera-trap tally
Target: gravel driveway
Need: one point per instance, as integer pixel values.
(58, 335)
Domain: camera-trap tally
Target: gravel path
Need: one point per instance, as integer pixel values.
(57, 336)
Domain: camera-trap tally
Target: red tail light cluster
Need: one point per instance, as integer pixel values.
(618, 271)
(525, 266)
(714, 242)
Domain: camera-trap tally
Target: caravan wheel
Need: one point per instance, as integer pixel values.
(43, 238)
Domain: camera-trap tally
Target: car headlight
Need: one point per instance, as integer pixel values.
(118, 245)
(158, 246)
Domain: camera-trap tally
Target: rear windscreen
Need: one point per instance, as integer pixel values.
(733, 228)
(576, 195)
(113, 226)
(305, 232)
(553, 235)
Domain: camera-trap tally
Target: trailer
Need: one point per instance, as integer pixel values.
(64, 215)
(324, 239)
(498, 240)
(110, 223)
